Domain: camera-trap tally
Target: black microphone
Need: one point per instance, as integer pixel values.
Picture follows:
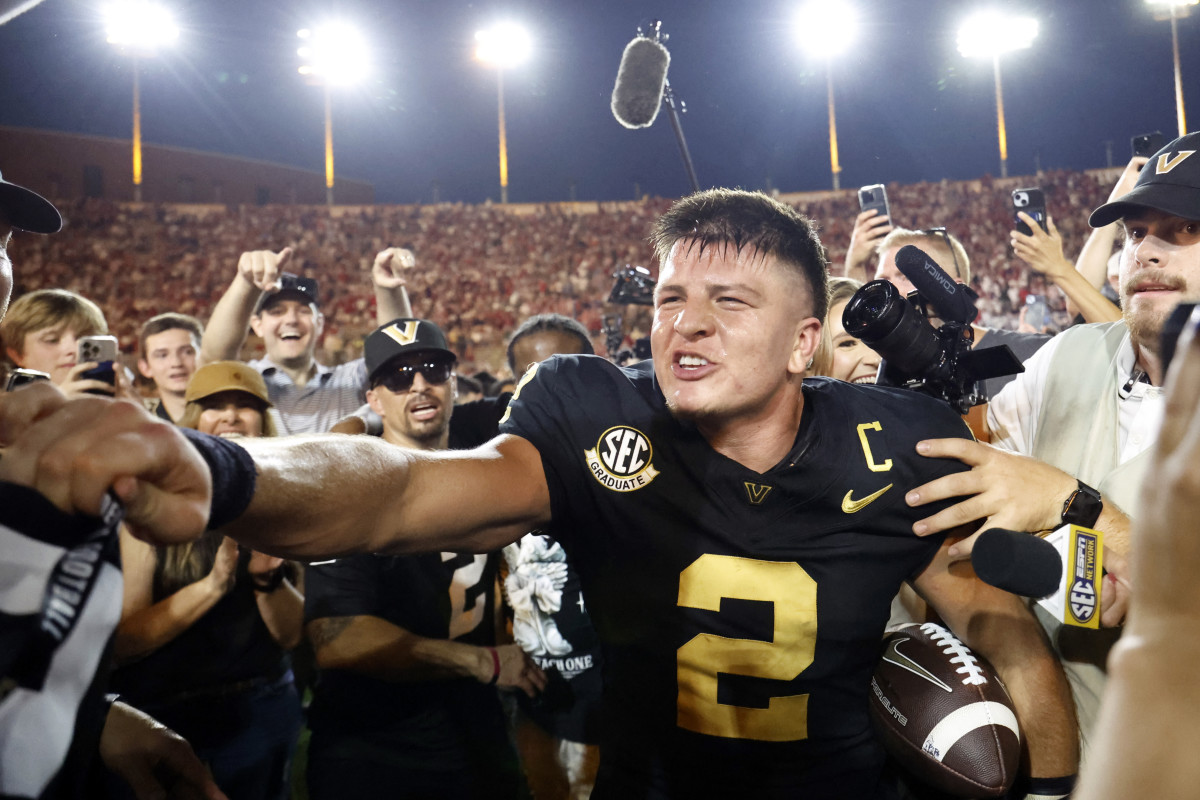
(1016, 562)
(638, 93)
(952, 300)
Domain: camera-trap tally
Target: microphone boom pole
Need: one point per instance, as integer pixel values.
(669, 100)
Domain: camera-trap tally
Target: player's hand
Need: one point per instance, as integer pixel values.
(869, 229)
(388, 270)
(1165, 547)
(153, 759)
(518, 671)
(1041, 250)
(1128, 178)
(262, 268)
(1002, 489)
(74, 451)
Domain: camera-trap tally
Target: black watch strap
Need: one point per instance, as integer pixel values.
(1082, 507)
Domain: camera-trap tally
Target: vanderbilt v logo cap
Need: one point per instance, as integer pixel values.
(1169, 182)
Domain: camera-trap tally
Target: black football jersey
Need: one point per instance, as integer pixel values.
(740, 612)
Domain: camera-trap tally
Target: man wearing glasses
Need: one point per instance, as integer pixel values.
(407, 697)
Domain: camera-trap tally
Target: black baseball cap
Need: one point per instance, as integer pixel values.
(1170, 182)
(28, 210)
(401, 337)
(291, 287)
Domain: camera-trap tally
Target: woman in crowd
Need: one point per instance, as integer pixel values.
(42, 331)
(840, 355)
(206, 627)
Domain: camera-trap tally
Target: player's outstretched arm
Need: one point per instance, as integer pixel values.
(1000, 627)
(331, 495)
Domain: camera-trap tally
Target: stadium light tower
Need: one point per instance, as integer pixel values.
(139, 28)
(825, 28)
(991, 33)
(503, 46)
(1174, 10)
(334, 55)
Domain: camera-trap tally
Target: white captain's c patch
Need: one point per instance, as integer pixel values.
(621, 459)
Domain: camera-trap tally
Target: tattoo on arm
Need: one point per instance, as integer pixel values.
(322, 632)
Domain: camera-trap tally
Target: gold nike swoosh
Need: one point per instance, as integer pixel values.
(850, 505)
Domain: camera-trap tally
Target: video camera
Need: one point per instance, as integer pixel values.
(633, 286)
(937, 361)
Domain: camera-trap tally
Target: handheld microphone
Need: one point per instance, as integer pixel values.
(641, 79)
(1016, 562)
(953, 301)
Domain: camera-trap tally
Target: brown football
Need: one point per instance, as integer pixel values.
(942, 713)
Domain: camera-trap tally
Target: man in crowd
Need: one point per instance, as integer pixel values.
(284, 309)
(168, 345)
(558, 731)
(1076, 427)
(739, 532)
(60, 600)
(406, 705)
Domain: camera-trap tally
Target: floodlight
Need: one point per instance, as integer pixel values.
(503, 45)
(139, 25)
(336, 54)
(826, 29)
(990, 33)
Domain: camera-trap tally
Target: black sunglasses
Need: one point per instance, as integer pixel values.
(400, 378)
(941, 231)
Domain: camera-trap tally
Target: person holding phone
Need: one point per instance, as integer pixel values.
(43, 331)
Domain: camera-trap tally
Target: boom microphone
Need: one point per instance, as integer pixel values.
(638, 93)
(953, 300)
(1020, 563)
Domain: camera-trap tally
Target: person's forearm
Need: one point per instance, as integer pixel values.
(1094, 306)
(373, 646)
(226, 329)
(391, 304)
(282, 611)
(148, 629)
(1092, 263)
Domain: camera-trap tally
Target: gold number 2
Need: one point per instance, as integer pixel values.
(791, 650)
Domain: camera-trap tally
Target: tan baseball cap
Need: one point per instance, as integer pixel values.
(226, 376)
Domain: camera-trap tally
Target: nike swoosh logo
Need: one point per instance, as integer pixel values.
(850, 505)
(893, 656)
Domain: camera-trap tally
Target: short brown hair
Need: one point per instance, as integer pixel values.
(936, 239)
(172, 320)
(747, 220)
(50, 308)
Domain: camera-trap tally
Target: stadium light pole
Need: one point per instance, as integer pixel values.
(502, 46)
(990, 34)
(825, 30)
(335, 54)
(139, 28)
(1174, 10)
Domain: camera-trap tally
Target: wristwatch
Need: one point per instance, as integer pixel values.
(1082, 507)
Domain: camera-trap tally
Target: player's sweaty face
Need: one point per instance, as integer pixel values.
(726, 330)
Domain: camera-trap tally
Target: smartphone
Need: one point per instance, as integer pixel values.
(874, 197)
(21, 376)
(1033, 203)
(101, 349)
(1036, 312)
(1147, 144)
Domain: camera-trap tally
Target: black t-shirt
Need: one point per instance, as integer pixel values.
(434, 725)
(740, 612)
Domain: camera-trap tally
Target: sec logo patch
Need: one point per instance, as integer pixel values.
(621, 459)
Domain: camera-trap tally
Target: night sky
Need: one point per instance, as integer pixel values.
(910, 108)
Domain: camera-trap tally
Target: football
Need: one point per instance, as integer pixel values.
(942, 713)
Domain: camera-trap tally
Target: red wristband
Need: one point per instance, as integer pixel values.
(495, 666)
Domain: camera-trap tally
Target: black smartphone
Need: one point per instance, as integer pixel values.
(103, 350)
(1033, 203)
(21, 376)
(1147, 144)
(874, 197)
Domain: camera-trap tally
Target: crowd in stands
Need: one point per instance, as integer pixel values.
(483, 268)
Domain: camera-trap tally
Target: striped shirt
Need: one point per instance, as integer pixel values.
(330, 395)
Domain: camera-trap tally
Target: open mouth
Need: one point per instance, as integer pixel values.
(868, 379)
(423, 411)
